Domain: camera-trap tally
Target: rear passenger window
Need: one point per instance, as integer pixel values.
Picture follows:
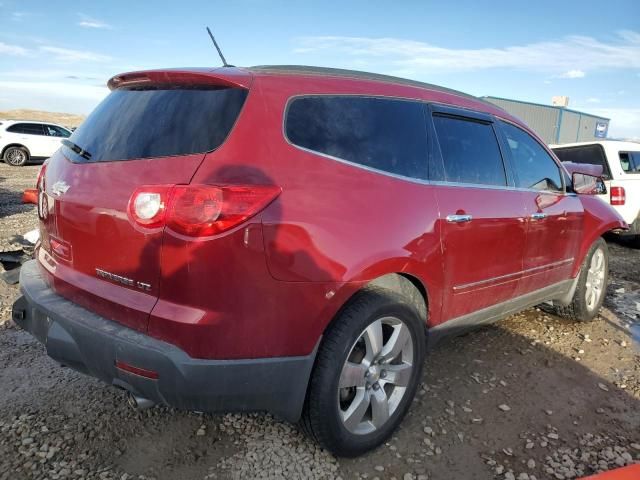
(27, 128)
(470, 151)
(533, 166)
(380, 133)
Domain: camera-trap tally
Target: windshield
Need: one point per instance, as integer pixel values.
(157, 122)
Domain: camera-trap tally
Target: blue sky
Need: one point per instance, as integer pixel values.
(58, 56)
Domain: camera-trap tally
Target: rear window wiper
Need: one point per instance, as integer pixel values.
(77, 149)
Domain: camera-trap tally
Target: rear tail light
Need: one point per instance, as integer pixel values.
(148, 205)
(40, 184)
(199, 210)
(40, 181)
(618, 196)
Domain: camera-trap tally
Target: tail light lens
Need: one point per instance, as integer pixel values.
(148, 205)
(40, 181)
(40, 186)
(618, 196)
(199, 210)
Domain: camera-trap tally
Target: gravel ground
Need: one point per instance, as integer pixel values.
(531, 397)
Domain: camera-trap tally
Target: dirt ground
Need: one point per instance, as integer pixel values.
(531, 397)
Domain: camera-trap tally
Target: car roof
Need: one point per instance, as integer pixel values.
(339, 73)
(355, 74)
(39, 122)
(242, 77)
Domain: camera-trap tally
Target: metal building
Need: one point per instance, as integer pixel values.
(555, 124)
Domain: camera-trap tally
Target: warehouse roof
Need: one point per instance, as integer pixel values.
(489, 98)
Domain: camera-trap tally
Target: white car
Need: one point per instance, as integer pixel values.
(21, 141)
(620, 162)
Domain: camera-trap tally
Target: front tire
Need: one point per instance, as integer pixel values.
(592, 285)
(16, 156)
(367, 371)
(634, 242)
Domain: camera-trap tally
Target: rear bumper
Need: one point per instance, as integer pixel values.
(91, 344)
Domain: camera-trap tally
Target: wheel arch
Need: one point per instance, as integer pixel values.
(599, 219)
(408, 286)
(19, 145)
(405, 284)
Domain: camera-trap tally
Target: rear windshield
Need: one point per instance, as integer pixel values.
(590, 154)
(157, 122)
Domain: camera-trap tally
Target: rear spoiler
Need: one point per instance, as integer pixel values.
(224, 77)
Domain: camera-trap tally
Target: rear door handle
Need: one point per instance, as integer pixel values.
(459, 218)
(538, 216)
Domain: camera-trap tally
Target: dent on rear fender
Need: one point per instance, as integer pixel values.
(599, 218)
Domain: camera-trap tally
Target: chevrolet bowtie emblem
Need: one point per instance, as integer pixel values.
(59, 188)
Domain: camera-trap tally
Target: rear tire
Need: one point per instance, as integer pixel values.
(367, 371)
(16, 156)
(592, 285)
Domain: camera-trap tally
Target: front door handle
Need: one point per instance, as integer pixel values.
(459, 218)
(538, 216)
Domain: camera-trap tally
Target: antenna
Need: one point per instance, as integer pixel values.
(224, 62)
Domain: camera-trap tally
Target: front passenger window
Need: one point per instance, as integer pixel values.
(534, 167)
(54, 131)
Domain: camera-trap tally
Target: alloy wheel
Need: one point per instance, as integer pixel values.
(595, 279)
(375, 375)
(15, 157)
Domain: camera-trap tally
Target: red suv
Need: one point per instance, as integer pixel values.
(287, 239)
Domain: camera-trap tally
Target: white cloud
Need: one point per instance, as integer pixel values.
(56, 88)
(19, 15)
(89, 22)
(593, 100)
(69, 55)
(52, 96)
(580, 52)
(625, 122)
(573, 74)
(13, 50)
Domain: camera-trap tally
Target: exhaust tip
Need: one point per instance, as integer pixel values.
(139, 403)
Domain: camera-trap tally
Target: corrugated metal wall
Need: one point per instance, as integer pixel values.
(544, 120)
(587, 128)
(569, 124)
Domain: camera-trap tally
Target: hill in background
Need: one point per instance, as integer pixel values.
(65, 119)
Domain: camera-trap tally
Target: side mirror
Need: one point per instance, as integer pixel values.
(585, 184)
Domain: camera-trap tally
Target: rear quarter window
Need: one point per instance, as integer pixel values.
(27, 128)
(379, 133)
(158, 122)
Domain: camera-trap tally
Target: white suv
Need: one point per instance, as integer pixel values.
(620, 162)
(21, 141)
